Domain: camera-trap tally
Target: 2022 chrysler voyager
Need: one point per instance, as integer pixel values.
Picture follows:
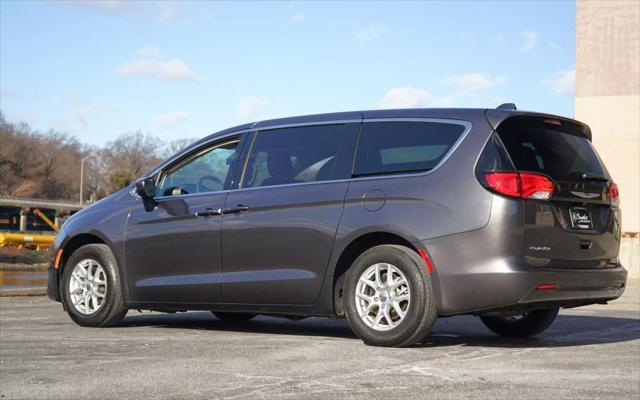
(390, 218)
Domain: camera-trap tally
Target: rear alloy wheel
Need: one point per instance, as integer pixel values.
(388, 297)
(233, 317)
(523, 325)
(382, 297)
(91, 288)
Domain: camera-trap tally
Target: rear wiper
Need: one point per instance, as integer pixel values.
(591, 176)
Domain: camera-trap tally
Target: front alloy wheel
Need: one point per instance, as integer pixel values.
(88, 286)
(91, 288)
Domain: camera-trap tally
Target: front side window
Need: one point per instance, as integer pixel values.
(404, 146)
(294, 155)
(207, 171)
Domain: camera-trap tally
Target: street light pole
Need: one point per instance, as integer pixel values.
(82, 179)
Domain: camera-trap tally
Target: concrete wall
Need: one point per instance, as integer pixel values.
(608, 92)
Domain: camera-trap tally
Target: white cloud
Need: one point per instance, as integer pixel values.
(152, 64)
(561, 83)
(166, 12)
(474, 82)
(469, 90)
(405, 97)
(412, 97)
(251, 108)
(371, 32)
(170, 119)
(162, 12)
(110, 6)
(296, 18)
(529, 40)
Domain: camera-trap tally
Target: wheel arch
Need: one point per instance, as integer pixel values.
(352, 250)
(74, 242)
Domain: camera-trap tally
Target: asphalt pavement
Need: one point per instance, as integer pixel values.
(591, 352)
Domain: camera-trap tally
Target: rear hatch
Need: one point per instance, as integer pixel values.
(571, 215)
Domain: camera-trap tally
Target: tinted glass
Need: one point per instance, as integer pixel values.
(294, 155)
(207, 172)
(390, 147)
(493, 157)
(545, 148)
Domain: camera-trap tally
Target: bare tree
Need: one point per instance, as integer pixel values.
(128, 157)
(47, 165)
(175, 146)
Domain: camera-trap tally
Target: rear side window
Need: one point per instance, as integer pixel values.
(295, 155)
(399, 146)
(549, 147)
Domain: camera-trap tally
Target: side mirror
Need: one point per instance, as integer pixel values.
(146, 188)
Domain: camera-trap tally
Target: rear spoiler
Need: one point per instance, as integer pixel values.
(496, 116)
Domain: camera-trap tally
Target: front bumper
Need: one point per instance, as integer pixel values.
(53, 290)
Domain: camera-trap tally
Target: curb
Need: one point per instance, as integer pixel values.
(24, 292)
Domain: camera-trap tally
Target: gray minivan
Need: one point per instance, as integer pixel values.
(390, 218)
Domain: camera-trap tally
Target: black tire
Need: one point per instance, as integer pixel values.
(421, 313)
(112, 310)
(529, 324)
(233, 317)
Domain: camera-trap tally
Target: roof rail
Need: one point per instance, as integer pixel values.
(507, 106)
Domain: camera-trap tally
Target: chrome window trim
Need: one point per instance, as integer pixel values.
(285, 126)
(293, 184)
(254, 129)
(182, 196)
(303, 124)
(467, 124)
(200, 147)
(202, 150)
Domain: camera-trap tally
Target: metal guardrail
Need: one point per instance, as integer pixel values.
(40, 203)
(26, 240)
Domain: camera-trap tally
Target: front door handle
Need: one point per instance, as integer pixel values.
(209, 212)
(234, 210)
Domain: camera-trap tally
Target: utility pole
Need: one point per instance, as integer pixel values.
(82, 179)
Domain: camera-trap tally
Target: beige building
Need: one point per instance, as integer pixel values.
(608, 92)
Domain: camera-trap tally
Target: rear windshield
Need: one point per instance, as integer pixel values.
(403, 146)
(538, 146)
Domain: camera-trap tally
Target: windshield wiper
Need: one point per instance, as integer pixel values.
(591, 176)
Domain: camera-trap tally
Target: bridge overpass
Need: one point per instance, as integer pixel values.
(24, 214)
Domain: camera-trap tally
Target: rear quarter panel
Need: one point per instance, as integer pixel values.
(418, 207)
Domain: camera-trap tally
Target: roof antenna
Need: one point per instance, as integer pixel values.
(507, 106)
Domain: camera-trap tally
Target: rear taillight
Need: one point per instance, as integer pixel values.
(520, 184)
(614, 196)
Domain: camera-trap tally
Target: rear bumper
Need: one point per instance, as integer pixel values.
(510, 287)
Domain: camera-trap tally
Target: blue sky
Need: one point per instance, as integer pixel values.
(186, 69)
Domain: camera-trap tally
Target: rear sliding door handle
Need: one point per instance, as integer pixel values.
(234, 210)
(209, 212)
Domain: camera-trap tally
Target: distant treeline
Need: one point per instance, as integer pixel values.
(46, 165)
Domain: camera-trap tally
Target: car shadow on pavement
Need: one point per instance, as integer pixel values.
(567, 330)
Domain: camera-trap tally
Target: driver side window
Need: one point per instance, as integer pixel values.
(205, 172)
